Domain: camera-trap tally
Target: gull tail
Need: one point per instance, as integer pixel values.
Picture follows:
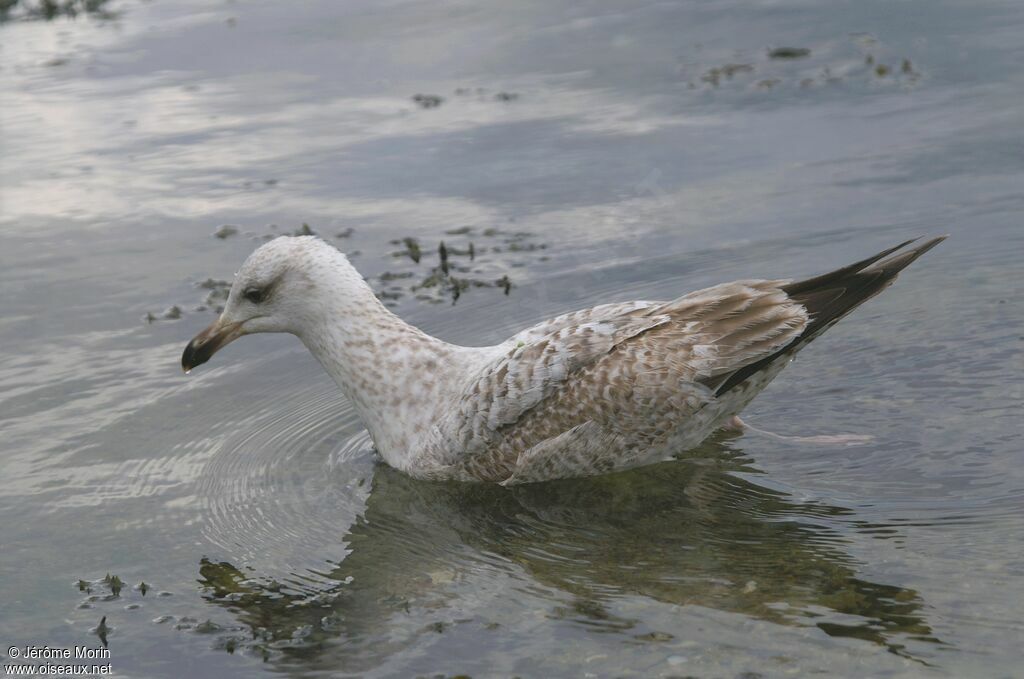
(831, 296)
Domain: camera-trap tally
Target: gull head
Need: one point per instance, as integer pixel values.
(278, 289)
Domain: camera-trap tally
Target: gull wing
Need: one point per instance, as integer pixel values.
(619, 385)
(632, 376)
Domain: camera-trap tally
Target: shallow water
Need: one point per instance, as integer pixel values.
(650, 149)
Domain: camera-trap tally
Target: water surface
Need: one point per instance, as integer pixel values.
(591, 152)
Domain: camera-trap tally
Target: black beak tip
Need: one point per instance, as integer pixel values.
(194, 356)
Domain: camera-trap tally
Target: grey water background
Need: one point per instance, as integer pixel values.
(652, 148)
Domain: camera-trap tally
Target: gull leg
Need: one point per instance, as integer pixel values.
(735, 424)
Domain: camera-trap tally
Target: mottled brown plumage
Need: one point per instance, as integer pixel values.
(606, 388)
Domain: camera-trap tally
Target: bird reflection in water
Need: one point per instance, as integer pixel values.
(695, 532)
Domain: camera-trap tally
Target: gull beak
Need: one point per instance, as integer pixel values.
(204, 345)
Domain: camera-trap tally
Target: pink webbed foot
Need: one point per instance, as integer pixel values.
(734, 425)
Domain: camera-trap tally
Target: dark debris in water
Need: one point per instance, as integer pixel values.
(412, 249)
(393, 276)
(284, 621)
(801, 69)
(208, 627)
(111, 583)
(789, 53)
(438, 627)
(462, 264)
(728, 71)
(457, 270)
(223, 582)
(50, 10)
(654, 637)
(227, 636)
(442, 253)
(102, 630)
(114, 583)
(428, 100)
(128, 598)
(171, 313)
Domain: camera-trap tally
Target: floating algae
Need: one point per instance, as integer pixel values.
(715, 75)
(114, 583)
(789, 53)
(428, 100)
(101, 630)
(449, 280)
(225, 231)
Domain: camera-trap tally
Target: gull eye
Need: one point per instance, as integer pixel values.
(254, 295)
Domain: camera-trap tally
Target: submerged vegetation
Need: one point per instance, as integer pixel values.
(458, 268)
(469, 258)
(853, 61)
(789, 53)
(48, 10)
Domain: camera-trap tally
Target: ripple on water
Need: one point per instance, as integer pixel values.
(281, 493)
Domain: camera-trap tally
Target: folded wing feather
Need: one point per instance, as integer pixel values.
(622, 376)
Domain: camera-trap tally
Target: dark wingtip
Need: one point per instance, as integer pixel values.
(900, 261)
(830, 296)
(826, 278)
(873, 263)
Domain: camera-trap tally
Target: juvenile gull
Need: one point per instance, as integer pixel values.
(592, 391)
